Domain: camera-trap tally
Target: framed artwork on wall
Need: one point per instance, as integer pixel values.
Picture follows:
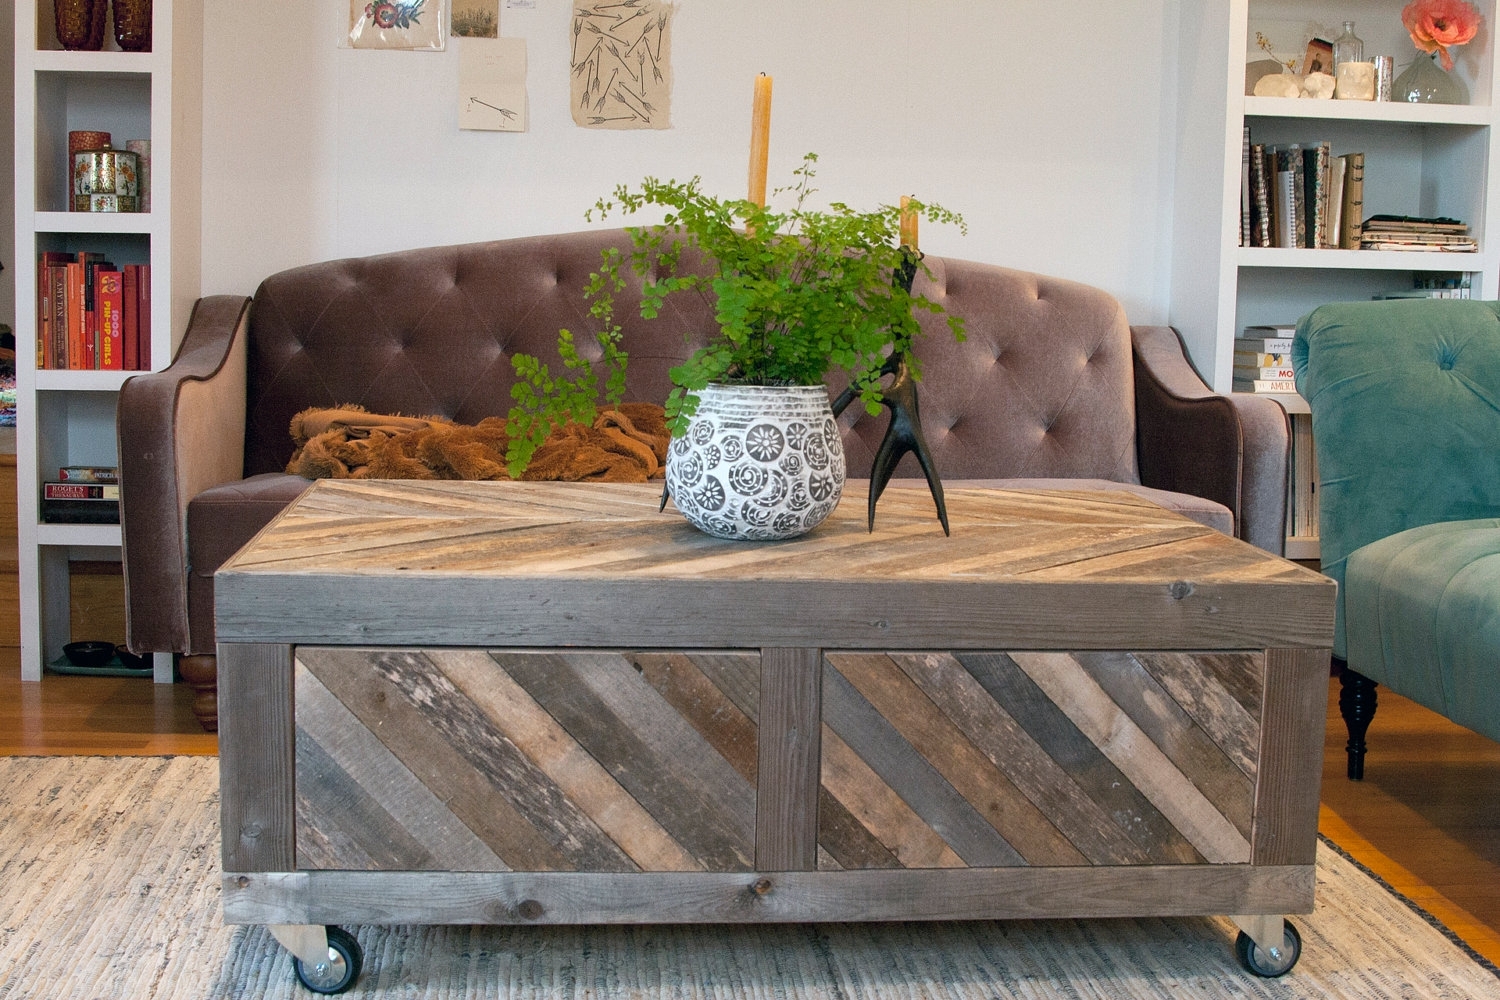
(397, 24)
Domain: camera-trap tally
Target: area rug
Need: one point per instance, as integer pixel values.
(109, 889)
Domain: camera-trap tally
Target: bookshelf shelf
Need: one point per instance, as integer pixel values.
(1419, 160)
(1367, 111)
(67, 417)
(1371, 260)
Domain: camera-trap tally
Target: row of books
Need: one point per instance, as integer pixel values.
(92, 314)
(1263, 359)
(82, 494)
(1406, 232)
(1300, 196)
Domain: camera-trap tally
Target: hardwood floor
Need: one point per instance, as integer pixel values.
(1426, 818)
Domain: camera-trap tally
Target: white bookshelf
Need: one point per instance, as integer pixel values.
(1424, 160)
(68, 417)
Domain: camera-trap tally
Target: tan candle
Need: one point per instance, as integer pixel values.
(760, 138)
(908, 223)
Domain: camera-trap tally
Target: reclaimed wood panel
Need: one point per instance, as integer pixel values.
(723, 897)
(1076, 754)
(1286, 796)
(1086, 823)
(1117, 772)
(550, 761)
(786, 803)
(555, 564)
(649, 749)
(1199, 819)
(577, 774)
(944, 746)
(257, 812)
(355, 799)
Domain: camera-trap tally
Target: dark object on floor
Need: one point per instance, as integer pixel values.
(89, 652)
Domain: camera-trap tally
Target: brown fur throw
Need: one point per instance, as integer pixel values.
(625, 444)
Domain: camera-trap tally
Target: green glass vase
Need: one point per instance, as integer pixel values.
(1425, 82)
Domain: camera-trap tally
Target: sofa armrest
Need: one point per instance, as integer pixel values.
(1229, 448)
(181, 430)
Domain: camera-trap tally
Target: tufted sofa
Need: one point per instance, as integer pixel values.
(1405, 400)
(1052, 384)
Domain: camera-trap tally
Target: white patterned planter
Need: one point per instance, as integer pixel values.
(758, 462)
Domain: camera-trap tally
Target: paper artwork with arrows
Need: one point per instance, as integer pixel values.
(492, 84)
(621, 64)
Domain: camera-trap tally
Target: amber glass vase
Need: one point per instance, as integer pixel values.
(80, 23)
(133, 25)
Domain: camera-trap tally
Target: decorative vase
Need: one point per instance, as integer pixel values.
(1425, 82)
(133, 25)
(758, 463)
(80, 23)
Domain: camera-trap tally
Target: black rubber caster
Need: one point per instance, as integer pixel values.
(1276, 961)
(338, 973)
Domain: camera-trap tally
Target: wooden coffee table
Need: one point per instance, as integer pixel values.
(552, 703)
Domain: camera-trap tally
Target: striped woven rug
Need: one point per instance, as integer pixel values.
(109, 889)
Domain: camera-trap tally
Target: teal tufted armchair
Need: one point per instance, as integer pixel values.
(1405, 399)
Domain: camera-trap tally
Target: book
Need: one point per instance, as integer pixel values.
(143, 316)
(1261, 359)
(1315, 187)
(1354, 200)
(46, 344)
(1245, 197)
(1288, 197)
(1267, 372)
(1264, 385)
(130, 352)
(1266, 339)
(1300, 207)
(55, 511)
(1333, 236)
(109, 305)
(1260, 199)
(88, 474)
(80, 491)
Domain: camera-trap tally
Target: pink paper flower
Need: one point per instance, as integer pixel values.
(1437, 25)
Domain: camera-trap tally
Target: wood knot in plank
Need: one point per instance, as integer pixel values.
(761, 886)
(1180, 589)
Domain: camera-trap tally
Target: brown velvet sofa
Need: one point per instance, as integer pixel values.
(1052, 384)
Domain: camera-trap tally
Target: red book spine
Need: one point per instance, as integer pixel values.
(108, 302)
(77, 355)
(132, 329)
(145, 316)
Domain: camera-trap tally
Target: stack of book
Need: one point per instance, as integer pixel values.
(92, 314)
(1263, 359)
(1300, 195)
(82, 494)
(1407, 232)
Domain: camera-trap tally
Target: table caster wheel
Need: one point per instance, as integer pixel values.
(340, 970)
(1273, 962)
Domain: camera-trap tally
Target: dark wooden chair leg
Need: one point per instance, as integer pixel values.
(1357, 706)
(201, 673)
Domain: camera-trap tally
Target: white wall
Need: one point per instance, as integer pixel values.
(1048, 125)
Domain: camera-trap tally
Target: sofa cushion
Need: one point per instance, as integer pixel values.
(1422, 616)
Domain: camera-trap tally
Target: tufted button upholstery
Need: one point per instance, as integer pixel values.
(1050, 385)
(1041, 386)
